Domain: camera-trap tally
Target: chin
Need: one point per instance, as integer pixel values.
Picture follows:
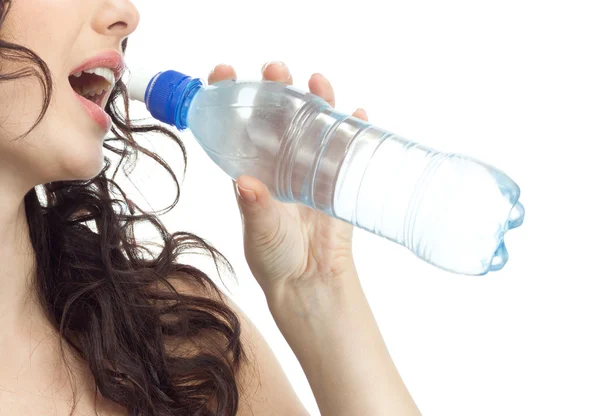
(83, 165)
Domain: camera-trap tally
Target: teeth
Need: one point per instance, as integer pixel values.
(97, 88)
(105, 73)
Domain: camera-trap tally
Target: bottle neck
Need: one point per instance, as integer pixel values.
(184, 103)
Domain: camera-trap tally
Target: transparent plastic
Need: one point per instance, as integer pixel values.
(450, 210)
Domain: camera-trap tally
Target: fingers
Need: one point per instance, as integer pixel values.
(361, 113)
(253, 185)
(237, 195)
(278, 72)
(319, 85)
(271, 71)
(221, 73)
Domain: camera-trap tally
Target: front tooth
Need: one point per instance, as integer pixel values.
(95, 71)
(105, 73)
(110, 76)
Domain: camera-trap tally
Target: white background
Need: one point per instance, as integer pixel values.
(514, 83)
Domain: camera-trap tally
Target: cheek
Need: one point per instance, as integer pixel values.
(20, 105)
(62, 147)
(75, 140)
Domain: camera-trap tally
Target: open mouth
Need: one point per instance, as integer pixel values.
(93, 84)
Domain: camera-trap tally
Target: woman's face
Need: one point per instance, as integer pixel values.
(69, 35)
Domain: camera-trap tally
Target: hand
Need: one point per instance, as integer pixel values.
(290, 243)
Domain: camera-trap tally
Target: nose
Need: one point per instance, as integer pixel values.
(117, 18)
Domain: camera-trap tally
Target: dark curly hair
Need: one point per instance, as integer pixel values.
(152, 349)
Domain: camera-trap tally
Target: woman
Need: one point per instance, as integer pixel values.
(92, 320)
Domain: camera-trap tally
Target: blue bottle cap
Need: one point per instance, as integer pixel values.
(167, 94)
(164, 95)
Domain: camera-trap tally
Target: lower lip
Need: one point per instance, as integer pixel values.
(96, 113)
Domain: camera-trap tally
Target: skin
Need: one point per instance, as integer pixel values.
(301, 258)
(303, 261)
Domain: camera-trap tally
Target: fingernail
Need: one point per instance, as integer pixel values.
(278, 63)
(247, 195)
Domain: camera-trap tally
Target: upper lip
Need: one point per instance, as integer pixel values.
(110, 59)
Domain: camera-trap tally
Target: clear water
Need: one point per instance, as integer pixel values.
(450, 210)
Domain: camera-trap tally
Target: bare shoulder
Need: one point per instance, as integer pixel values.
(264, 388)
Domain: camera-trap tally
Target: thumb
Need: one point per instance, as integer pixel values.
(259, 213)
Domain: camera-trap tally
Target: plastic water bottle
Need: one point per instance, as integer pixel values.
(450, 210)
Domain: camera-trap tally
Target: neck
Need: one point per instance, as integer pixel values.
(17, 258)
